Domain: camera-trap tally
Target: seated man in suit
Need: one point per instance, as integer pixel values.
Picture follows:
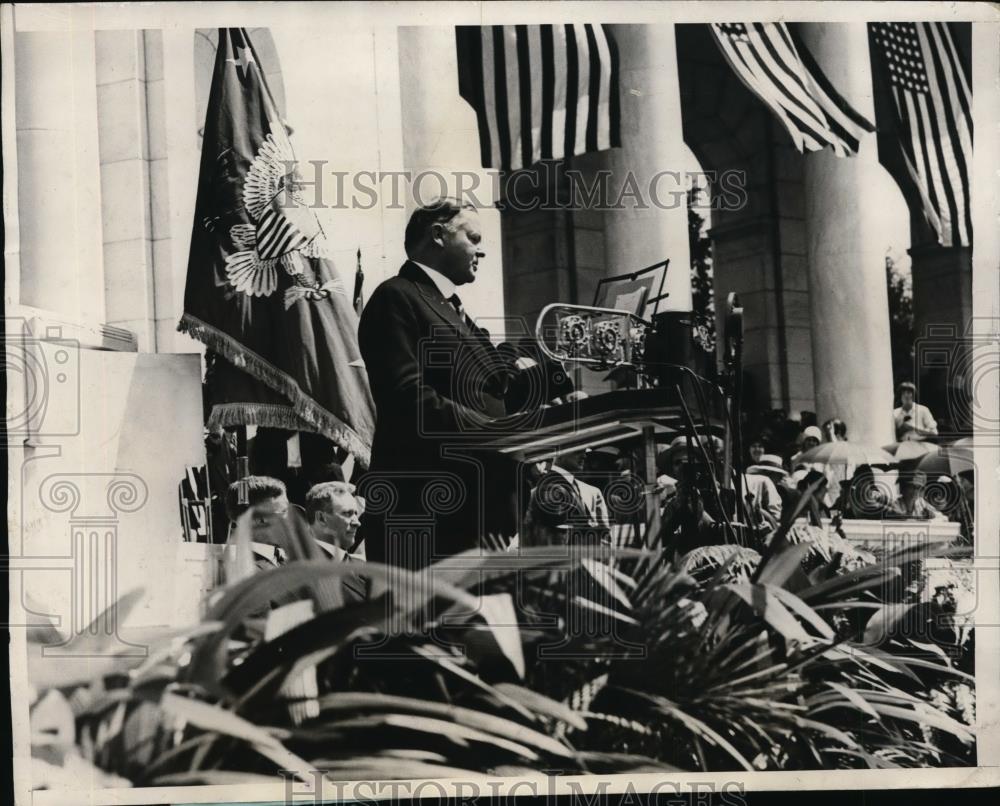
(267, 501)
(335, 515)
(435, 377)
(911, 502)
(563, 509)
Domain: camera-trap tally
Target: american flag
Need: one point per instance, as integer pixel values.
(789, 82)
(932, 120)
(540, 91)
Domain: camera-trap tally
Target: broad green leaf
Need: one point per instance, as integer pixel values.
(499, 613)
(768, 607)
(930, 717)
(693, 724)
(218, 720)
(777, 569)
(881, 625)
(622, 763)
(542, 704)
(803, 611)
(437, 727)
(488, 723)
(433, 654)
(828, 730)
(375, 768)
(250, 595)
(603, 576)
(854, 697)
(586, 604)
(861, 579)
(215, 778)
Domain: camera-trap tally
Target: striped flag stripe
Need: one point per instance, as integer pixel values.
(593, 90)
(603, 116)
(753, 75)
(788, 79)
(930, 141)
(956, 69)
(768, 61)
(547, 96)
(931, 121)
(959, 143)
(763, 84)
(515, 103)
(560, 91)
(572, 90)
(534, 55)
(582, 89)
(933, 108)
(489, 100)
(918, 162)
(840, 117)
(506, 126)
(540, 91)
(614, 96)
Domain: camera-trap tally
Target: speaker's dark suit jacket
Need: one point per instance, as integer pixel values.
(435, 378)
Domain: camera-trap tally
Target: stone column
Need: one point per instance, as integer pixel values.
(183, 152)
(942, 313)
(59, 198)
(132, 192)
(652, 152)
(441, 153)
(845, 211)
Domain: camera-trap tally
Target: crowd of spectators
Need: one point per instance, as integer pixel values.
(780, 448)
(569, 495)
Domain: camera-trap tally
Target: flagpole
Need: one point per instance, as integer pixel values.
(359, 281)
(242, 462)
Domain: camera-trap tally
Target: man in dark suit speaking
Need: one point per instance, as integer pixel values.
(435, 378)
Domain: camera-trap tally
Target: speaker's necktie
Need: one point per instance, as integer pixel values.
(456, 303)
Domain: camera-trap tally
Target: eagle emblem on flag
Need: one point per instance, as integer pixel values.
(284, 231)
(262, 293)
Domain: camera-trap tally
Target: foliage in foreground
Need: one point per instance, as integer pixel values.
(508, 664)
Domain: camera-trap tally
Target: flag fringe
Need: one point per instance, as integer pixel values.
(303, 409)
(266, 415)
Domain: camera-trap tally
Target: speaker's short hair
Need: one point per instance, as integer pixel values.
(258, 490)
(907, 386)
(439, 211)
(321, 496)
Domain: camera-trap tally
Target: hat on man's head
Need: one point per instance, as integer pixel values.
(812, 431)
(769, 465)
(771, 461)
(708, 441)
(907, 386)
(677, 444)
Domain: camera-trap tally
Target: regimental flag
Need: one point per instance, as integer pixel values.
(261, 292)
(540, 92)
(930, 121)
(787, 79)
